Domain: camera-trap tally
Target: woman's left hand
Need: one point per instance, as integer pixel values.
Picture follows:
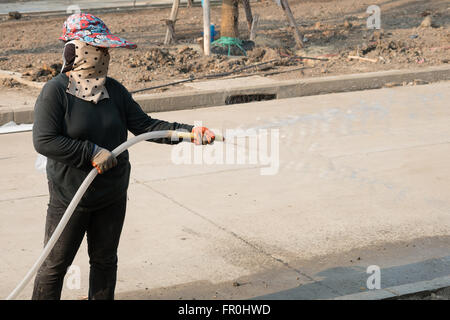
(202, 135)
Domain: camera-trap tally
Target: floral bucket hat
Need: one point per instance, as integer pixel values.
(92, 30)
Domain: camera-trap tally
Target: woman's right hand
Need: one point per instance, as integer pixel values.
(103, 160)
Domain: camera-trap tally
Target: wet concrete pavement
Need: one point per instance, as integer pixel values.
(362, 180)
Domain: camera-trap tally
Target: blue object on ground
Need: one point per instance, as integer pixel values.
(212, 32)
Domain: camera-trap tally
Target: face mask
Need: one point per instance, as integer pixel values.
(88, 74)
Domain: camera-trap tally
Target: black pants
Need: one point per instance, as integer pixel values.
(103, 227)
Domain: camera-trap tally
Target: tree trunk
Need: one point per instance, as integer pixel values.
(248, 13)
(206, 28)
(229, 19)
(287, 11)
(254, 27)
(170, 32)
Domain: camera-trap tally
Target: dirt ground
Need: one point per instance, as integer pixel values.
(332, 30)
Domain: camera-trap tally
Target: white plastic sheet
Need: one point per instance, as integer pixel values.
(12, 127)
(41, 163)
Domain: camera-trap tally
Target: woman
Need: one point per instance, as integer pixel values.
(80, 115)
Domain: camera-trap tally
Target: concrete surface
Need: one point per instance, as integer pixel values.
(64, 5)
(438, 294)
(215, 92)
(418, 289)
(290, 88)
(17, 105)
(363, 180)
(227, 84)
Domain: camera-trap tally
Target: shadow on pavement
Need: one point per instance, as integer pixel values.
(322, 278)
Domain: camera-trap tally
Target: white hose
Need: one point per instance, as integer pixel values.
(76, 199)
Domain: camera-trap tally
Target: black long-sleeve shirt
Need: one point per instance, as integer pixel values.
(66, 129)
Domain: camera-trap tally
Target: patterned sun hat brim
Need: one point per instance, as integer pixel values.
(100, 40)
(92, 30)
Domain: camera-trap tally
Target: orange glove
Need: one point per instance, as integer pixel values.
(202, 135)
